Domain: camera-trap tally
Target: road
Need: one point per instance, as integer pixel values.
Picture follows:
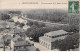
(44, 22)
(40, 47)
(37, 45)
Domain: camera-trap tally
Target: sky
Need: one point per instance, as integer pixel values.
(25, 4)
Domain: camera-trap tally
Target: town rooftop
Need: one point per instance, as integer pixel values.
(58, 32)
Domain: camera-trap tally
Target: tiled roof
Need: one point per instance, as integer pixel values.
(16, 30)
(16, 38)
(8, 37)
(3, 24)
(28, 48)
(21, 43)
(11, 24)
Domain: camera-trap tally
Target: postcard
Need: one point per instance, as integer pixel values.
(39, 25)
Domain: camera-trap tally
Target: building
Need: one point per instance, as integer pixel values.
(25, 27)
(16, 31)
(3, 24)
(13, 40)
(23, 46)
(50, 37)
(7, 40)
(1, 43)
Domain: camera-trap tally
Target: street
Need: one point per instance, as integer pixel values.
(37, 45)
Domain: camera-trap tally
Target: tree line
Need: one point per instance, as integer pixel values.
(53, 16)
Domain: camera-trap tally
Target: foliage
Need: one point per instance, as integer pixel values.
(53, 16)
(35, 32)
(14, 12)
(70, 42)
(5, 17)
(17, 23)
(70, 28)
(30, 23)
(11, 20)
(21, 24)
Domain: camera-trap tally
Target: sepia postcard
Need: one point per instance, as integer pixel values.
(39, 25)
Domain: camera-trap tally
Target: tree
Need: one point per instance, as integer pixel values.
(28, 31)
(68, 43)
(36, 23)
(15, 12)
(30, 23)
(41, 24)
(5, 17)
(35, 32)
(11, 20)
(21, 24)
(70, 28)
(17, 23)
(59, 16)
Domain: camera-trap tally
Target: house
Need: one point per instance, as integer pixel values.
(25, 27)
(1, 43)
(10, 24)
(17, 19)
(3, 24)
(7, 39)
(16, 31)
(13, 40)
(23, 46)
(50, 37)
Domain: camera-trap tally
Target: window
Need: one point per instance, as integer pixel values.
(24, 47)
(42, 43)
(52, 36)
(39, 40)
(46, 45)
(15, 47)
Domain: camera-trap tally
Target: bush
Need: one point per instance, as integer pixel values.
(21, 24)
(5, 17)
(70, 42)
(11, 20)
(17, 23)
